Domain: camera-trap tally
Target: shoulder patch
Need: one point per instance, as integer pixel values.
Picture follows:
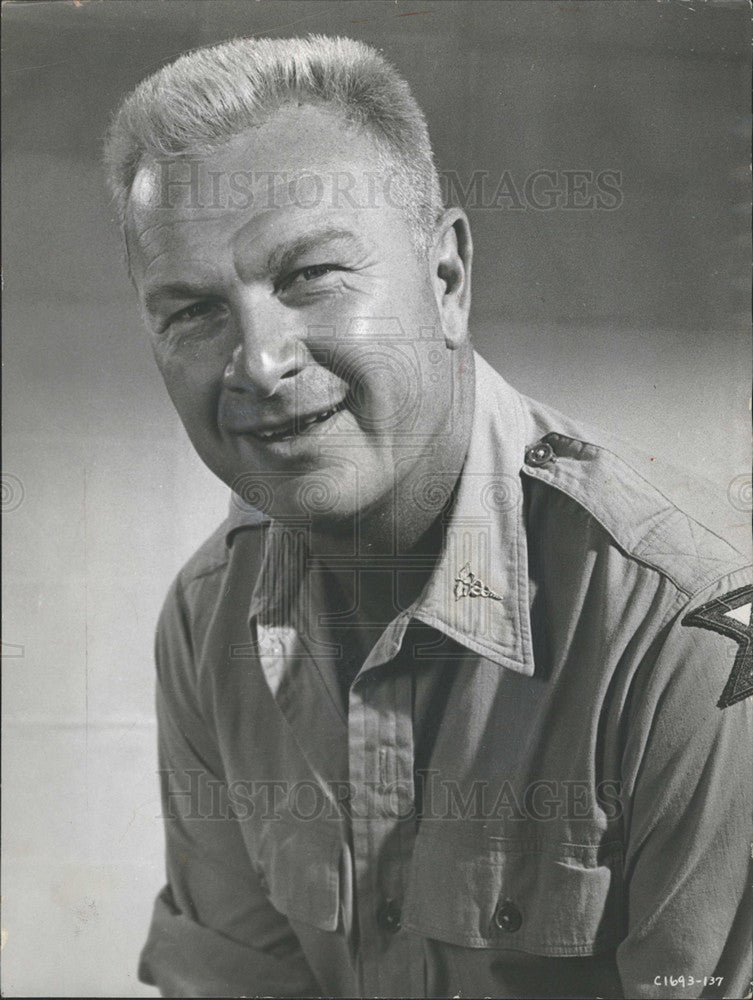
(642, 520)
(730, 615)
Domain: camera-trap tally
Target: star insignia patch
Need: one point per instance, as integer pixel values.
(467, 584)
(730, 615)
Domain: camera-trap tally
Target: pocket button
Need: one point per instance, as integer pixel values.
(508, 917)
(389, 917)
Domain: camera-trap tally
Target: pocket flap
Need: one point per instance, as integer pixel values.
(502, 892)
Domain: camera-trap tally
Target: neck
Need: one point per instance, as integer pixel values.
(375, 579)
(397, 533)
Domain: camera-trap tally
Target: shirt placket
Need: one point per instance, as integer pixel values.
(381, 760)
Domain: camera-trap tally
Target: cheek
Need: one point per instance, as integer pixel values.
(193, 381)
(392, 383)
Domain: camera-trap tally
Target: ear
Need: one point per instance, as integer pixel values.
(451, 257)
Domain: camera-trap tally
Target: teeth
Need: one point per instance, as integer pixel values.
(297, 427)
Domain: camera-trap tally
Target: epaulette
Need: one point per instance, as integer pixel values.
(642, 521)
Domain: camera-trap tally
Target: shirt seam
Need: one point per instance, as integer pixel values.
(706, 586)
(201, 574)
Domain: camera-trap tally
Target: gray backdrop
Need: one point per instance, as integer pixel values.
(635, 319)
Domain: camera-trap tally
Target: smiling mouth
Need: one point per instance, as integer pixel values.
(299, 425)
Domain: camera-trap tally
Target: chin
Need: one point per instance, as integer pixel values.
(324, 498)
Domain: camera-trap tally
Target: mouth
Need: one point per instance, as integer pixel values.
(297, 426)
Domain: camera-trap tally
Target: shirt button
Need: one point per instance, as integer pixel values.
(389, 916)
(540, 454)
(508, 917)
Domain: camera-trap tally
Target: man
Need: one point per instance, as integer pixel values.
(437, 703)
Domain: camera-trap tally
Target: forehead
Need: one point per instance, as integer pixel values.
(305, 161)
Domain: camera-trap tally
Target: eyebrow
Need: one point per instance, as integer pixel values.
(279, 259)
(284, 255)
(172, 290)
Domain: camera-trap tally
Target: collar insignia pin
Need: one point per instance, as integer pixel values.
(467, 584)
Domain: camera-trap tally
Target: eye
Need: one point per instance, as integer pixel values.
(203, 309)
(310, 273)
(316, 271)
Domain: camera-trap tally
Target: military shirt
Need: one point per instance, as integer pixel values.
(530, 792)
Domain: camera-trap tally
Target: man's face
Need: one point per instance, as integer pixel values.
(300, 336)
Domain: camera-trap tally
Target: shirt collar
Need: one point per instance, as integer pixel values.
(242, 515)
(478, 591)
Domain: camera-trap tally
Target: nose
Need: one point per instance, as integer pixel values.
(270, 347)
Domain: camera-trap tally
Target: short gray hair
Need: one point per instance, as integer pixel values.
(209, 95)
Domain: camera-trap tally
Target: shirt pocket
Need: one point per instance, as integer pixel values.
(554, 899)
(298, 870)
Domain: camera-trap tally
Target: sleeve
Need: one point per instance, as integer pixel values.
(687, 773)
(213, 931)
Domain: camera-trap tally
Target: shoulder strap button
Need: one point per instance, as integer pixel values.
(540, 454)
